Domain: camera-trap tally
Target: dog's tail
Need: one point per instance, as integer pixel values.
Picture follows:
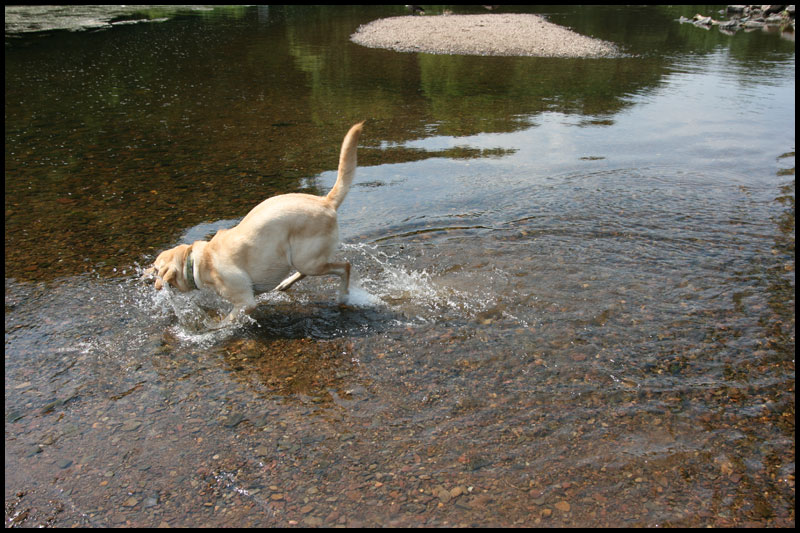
(347, 166)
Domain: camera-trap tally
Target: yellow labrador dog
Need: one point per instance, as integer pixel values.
(283, 233)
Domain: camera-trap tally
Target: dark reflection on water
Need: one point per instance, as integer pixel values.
(573, 298)
(113, 135)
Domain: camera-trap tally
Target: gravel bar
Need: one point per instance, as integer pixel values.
(486, 35)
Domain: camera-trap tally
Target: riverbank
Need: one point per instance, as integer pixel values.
(30, 19)
(487, 35)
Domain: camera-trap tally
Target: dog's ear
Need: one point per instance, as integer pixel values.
(161, 276)
(166, 274)
(169, 267)
(170, 276)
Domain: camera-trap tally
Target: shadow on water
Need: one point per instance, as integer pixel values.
(572, 299)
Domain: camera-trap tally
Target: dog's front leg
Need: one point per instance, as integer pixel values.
(239, 292)
(229, 319)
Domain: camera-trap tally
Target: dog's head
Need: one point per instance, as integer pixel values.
(169, 268)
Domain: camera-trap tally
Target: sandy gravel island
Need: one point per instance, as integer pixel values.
(486, 35)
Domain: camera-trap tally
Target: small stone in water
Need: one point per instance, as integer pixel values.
(130, 502)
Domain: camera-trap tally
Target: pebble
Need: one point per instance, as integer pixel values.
(312, 521)
(150, 502)
(233, 419)
(563, 506)
(442, 493)
(130, 502)
(131, 425)
(33, 450)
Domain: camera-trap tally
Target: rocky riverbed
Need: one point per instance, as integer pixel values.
(488, 35)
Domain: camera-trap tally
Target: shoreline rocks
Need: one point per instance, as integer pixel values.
(748, 18)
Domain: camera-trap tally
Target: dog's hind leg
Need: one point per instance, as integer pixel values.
(337, 269)
(291, 280)
(343, 271)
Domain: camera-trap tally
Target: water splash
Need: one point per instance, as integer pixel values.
(384, 274)
(382, 281)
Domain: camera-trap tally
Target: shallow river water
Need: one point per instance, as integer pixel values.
(573, 294)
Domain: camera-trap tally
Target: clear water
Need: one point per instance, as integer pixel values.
(574, 279)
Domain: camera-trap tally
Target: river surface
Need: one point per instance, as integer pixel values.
(573, 295)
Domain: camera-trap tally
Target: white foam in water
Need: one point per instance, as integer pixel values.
(360, 297)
